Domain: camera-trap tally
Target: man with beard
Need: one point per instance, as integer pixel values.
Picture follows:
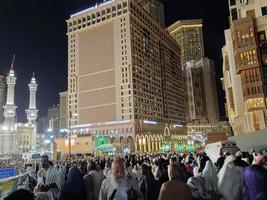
(117, 185)
(52, 179)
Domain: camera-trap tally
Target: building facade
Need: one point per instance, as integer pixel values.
(155, 8)
(53, 118)
(201, 91)
(63, 110)
(188, 34)
(244, 66)
(124, 74)
(76, 145)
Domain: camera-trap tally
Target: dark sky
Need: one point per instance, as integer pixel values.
(36, 32)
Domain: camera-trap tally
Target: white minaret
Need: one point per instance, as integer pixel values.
(8, 134)
(32, 111)
(10, 108)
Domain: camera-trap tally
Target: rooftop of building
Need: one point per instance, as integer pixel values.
(97, 5)
(190, 23)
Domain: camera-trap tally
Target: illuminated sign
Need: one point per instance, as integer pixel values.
(4, 173)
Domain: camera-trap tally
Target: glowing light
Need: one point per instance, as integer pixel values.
(81, 126)
(178, 126)
(150, 122)
(91, 8)
(47, 141)
(117, 122)
(49, 130)
(5, 128)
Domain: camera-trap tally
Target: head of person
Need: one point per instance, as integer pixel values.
(21, 194)
(117, 168)
(91, 166)
(238, 154)
(145, 169)
(172, 160)
(225, 154)
(45, 161)
(108, 164)
(74, 175)
(173, 171)
(260, 158)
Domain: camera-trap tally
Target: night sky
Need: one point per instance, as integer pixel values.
(36, 32)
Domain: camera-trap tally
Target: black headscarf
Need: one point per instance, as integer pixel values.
(74, 187)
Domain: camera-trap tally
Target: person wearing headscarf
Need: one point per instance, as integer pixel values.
(174, 189)
(211, 180)
(255, 179)
(204, 184)
(229, 176)
(147, 184)
(74, 187)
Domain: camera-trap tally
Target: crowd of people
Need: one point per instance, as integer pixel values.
(150, 177)
(11, 161)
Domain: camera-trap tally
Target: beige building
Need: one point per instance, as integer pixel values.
(78, 145)
(27, 137)
(201, 91)
(188, 34)
(124, 72)
(63, 110)
(244, 65)
(2, 97)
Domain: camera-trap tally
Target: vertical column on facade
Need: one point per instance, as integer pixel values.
(160, 143)
(149, 144)
(145, 144)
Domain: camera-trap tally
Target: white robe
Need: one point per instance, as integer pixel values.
(92, 182)
(53, 175)
(107, 188)
(230, 180)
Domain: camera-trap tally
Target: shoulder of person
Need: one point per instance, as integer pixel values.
(87, 176)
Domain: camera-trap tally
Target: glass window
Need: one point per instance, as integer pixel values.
(264, 10)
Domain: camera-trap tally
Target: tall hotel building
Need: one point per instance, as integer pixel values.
(155, 8)
(245, 66)
(124, 76)
(188, 34)
(202, 102)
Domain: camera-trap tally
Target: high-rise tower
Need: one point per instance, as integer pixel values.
(188, 34)
(31, 112)
(10, 108)
(137, 90)
(155, 8)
